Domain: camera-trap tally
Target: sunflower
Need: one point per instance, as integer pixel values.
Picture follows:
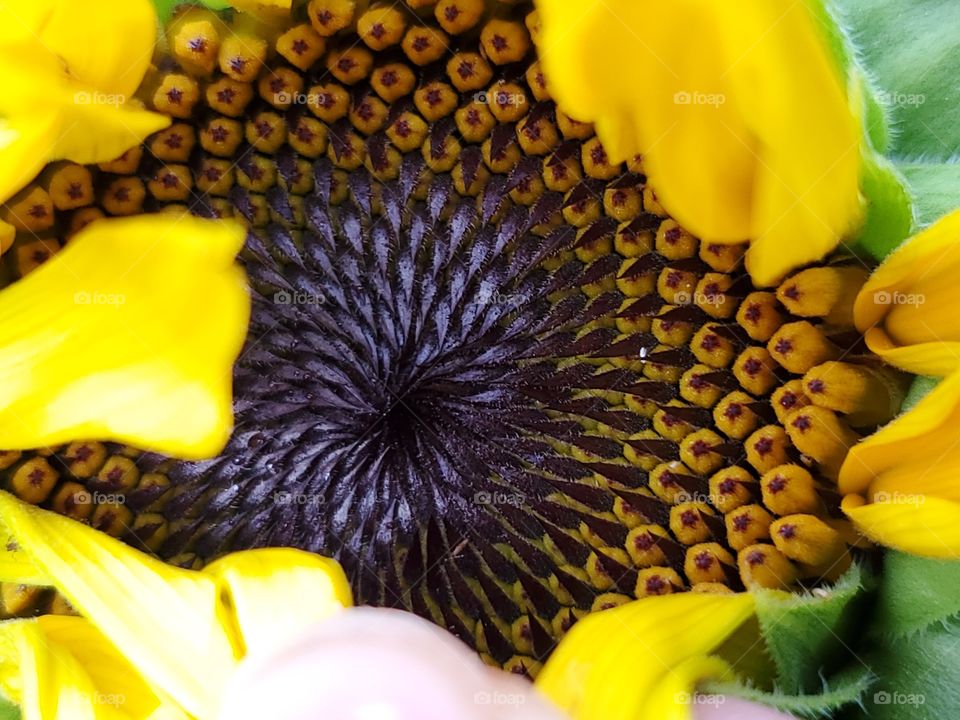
(527, 339)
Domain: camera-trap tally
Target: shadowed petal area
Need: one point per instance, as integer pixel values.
(137, 313)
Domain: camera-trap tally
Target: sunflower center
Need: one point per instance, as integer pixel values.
(485, 370)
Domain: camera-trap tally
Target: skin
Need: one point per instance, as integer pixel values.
(379, 664)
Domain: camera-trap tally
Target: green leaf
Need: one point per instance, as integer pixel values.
(8, 711)
(918, 677)
(916, 593)
(842, 690)
(936, 188)
(918, 390)
(889, 219)
(165, 8)
(808, 635)
(912, 50)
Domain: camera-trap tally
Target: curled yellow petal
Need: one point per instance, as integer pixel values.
(118, 684)
(99, 128)
(23, 151)
(62, 667)
(739, 112)
(128, 334)
(165, 638)
(900, 484)
(67, 72)
(908, 306)
(276, 592)
(673, 697)
(918, 439)
(43, 678)
(106, 44)
(612, 663)
(165, 620)
(921, 525)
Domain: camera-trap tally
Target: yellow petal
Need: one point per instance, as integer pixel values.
(67, 70)
(275, 593)
(929, 526)
(924, 434)
(24, 146)
(806, 193)
(674, 695)
(107, 45)
(927, 358)
(16, 565)
(165, 621)
(117, 683)
(100, 127)
(908, 306)
(739, 112)
(587, 49)
(610, 664)
(128, 334)
(8, 233)
(44, 678)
